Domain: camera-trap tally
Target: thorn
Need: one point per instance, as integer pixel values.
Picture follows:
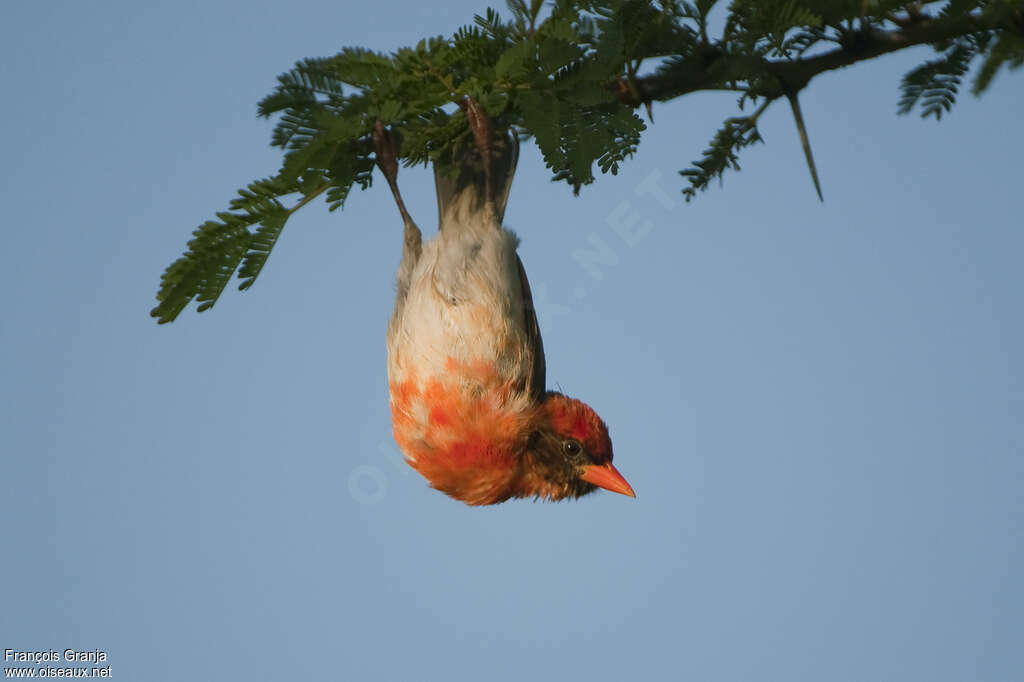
(805, 142)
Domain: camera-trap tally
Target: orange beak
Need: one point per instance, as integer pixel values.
(608, 477)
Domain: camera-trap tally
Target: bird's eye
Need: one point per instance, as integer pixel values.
(572, 447)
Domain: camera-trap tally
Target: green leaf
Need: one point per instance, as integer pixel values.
(556, 53)
(516, 61)
(259, 247)
(721, 155)
(936, 83)
(203, 271)
(1008, 50)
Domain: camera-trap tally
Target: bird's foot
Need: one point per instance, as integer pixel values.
(483, 131)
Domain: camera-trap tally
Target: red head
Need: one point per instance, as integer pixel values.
(570, 453)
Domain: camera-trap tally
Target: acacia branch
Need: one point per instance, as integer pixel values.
(711, 70)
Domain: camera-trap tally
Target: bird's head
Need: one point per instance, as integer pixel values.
(570, 453)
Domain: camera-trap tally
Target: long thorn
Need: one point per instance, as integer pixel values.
(805, 141)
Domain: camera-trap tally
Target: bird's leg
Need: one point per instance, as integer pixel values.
(387, 161)
(480, 124)
(412, 242)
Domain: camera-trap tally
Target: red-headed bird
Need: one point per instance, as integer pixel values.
(465, 360)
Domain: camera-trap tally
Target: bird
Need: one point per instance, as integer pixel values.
(465, 359)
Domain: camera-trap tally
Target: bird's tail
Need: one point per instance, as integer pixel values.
(461, 181)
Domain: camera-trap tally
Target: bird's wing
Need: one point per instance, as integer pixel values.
(534, 341)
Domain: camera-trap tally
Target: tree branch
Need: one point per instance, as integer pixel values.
(795, 74)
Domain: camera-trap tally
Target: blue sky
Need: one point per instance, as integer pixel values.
(820, 406)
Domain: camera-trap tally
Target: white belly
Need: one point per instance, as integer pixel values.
(464, 307)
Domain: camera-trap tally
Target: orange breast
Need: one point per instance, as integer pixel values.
(464, 431)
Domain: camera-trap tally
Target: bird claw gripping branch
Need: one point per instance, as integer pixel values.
(466, 367)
